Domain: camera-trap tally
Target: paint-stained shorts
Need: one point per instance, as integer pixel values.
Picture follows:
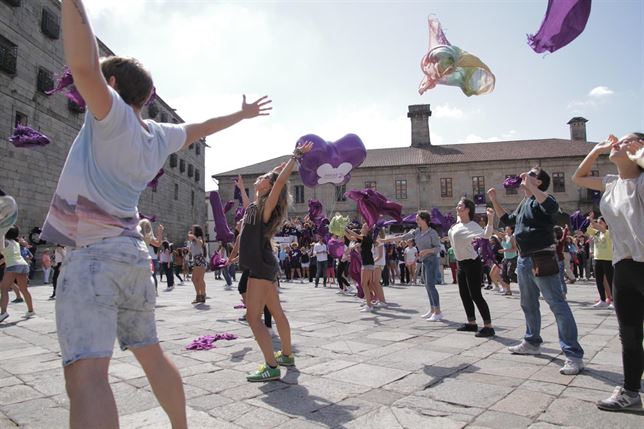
(105, 291)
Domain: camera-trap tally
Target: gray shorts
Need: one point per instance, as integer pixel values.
(105, 290)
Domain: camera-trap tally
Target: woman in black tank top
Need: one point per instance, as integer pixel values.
(262, 219)
(366, 253)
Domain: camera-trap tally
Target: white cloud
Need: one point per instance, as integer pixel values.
(447, 111)
(475, 138)
(600, 91)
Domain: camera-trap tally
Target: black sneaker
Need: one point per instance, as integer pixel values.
(17, 300)
(485, 332)
(468, 327)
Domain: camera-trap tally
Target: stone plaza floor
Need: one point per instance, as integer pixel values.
(390, 369)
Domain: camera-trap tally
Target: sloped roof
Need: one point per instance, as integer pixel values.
(449, 154)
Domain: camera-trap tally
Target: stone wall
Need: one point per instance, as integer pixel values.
(31, 175)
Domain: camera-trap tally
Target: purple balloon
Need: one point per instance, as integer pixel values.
(479, 199)
(336, 247)
(330, 162)
(224, 234)
(155, 182)
(372, 204)
(26, 137)
(512, 182)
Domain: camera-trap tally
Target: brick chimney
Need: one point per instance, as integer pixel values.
(578, 129)
(419, 115)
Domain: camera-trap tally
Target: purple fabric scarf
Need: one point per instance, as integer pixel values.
(372, 205)
(224, 234)
(65, 84)
(207, 342)
(155, 182)
(28, 138)
(564, 21)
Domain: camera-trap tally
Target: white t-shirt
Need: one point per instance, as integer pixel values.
(461, 236)
(108, 167)
(622, 206)
(379, 255)
(319, 250)
(410, 254)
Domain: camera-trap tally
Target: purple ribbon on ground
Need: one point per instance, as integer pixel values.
(28, 138)
(207, 342)
(579, 221)
(372, 204)
(565, 20)
(155, 182)
(65, 83)
(224, 234)
(512, 182)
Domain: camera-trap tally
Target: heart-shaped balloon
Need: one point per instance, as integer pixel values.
(331, 162)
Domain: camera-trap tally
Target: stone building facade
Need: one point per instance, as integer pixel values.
(424, 176)
(31, 56)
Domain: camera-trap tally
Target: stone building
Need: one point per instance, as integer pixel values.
(424, 176)
(31, 56)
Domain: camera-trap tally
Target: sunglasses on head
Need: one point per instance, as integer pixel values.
(533, 174)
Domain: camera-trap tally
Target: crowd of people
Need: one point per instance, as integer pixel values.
(94, 215)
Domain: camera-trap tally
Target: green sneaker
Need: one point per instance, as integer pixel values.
(264, 373)
(284, 360)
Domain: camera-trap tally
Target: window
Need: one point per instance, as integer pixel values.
(176, 191)
(558, 182)
(590, 194)
(478, 185)
(192, 198)
(299, 194)
(174, 159)
(153, 110)
(510, 191)
(164, 117)
(197, 175)
(339, 193)
(45, 80)
(14, 3)
(370, 184)
(50, 24)
(21, 119)
(182, 165)
(8, 56)
(197, 149)
(446, 187)
(400, 186)
(191, 170)
(75, 108)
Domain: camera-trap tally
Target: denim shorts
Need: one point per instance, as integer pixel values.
(17, 269)
(105, 291)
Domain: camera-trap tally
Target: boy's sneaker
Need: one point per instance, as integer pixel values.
(600, 304)
(620, 400)
(468, 327)
(3, 316)
(284, 360)
(30, 314)
(571, 367)
(435, 317)
(485, 332)
(264, 373)
(17, 300)
(524, 348)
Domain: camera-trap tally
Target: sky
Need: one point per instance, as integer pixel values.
(338, 67)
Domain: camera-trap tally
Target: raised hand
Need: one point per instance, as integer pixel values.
(492, 194)
(606, 145)
(305, 147)
(490, 213)
(260, 107)
(239, 182)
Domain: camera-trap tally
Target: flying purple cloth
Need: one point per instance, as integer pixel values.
(336, 247)
(65, 84)
(28, 138)
(237, 195)
(512, 182)
(449, 221)
(579, 221)
(316, 212)
(239, 213)
(355, 268)
(155, 182)
(484, 249)
(564, 21)
(206, 342)
(151, 218)
(229, 205)
(221, 226)
(372, 204)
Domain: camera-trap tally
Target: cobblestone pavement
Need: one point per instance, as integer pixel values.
(390, 369)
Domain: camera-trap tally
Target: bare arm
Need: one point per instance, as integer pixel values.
(81, 55)
(283, 177)
(497, 207)
(581, 177)
(242, 191)
(199, 130)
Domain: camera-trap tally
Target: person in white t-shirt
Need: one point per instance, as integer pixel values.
(320, 252)
(106, 290)
(410, 259)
